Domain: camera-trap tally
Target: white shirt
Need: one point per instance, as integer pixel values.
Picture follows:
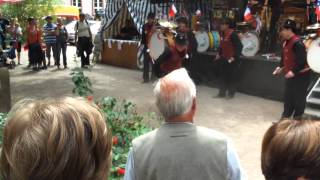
(82, 29)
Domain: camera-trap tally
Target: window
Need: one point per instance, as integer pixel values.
(76, 3)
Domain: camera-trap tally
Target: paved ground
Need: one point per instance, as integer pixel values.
(244, 119)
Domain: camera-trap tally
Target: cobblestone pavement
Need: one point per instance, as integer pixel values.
(244, 119)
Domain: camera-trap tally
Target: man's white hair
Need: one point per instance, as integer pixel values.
(175, 93)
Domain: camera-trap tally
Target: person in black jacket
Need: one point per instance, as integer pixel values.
(297, 73)
(229, 57)
(147, 30)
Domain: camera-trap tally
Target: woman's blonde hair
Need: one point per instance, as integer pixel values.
(53, 139)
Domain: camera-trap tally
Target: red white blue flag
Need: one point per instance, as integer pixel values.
(247, 14)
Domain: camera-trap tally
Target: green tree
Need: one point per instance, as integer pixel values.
(29, 8)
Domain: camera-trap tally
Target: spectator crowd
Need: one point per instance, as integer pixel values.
(67, 138)
(45, 44)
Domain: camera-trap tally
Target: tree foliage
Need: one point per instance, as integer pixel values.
(28, 8)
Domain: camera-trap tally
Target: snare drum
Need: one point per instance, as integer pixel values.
(158, 42)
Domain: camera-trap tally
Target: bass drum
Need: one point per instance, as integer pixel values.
(158, 42)
(250, 42)
(140, 57)
(203, 41)
(216, 40)
(313, 55)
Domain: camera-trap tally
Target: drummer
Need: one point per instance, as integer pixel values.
(296, 72)
(229, 53)
(147, 30)
(172, 57)
(191, 63)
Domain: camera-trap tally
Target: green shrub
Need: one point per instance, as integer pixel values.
(126, 124)
(3, 118)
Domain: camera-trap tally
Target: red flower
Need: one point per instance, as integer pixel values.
(115, 140)
(90, 98)
(121, 171)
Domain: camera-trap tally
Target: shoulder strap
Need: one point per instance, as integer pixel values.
(89, 28)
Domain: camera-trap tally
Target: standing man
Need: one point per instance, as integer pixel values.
(297, 73)
(84, 42)
(229, 57)
(62, 38)
(50, 38)
(147, 30)
(179, 149)
(190, 64)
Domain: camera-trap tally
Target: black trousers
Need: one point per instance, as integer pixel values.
(36, 54)
(146, 66)
(62, 47)
(295, 94)
(84, 46)
(228, 75)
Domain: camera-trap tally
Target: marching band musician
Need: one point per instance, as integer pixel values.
(229, 53)
(147, 30)
(297, 74)
(172, 57)
(190, 64)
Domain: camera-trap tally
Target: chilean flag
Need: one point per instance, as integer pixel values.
(247, 14)
(172, 11)
(318, 10)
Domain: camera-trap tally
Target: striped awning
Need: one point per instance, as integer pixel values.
(139, 9)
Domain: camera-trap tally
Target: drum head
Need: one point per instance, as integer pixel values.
(250, 44)
(203, 41)
(313, 56)
(156, 45)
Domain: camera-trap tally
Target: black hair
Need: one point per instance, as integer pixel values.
(183, 20)
(151, 15)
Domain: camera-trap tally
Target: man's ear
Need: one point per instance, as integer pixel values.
(194, 104)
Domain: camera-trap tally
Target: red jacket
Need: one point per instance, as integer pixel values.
(174, 60)
(227, 48)
(289, 57)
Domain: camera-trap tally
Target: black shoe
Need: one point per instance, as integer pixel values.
(219, 96)
(145, 81)
(65, 67)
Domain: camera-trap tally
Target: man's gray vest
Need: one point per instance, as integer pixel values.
(180, 152)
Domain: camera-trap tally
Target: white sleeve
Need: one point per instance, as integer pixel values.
(235, 171)
(129, 173)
